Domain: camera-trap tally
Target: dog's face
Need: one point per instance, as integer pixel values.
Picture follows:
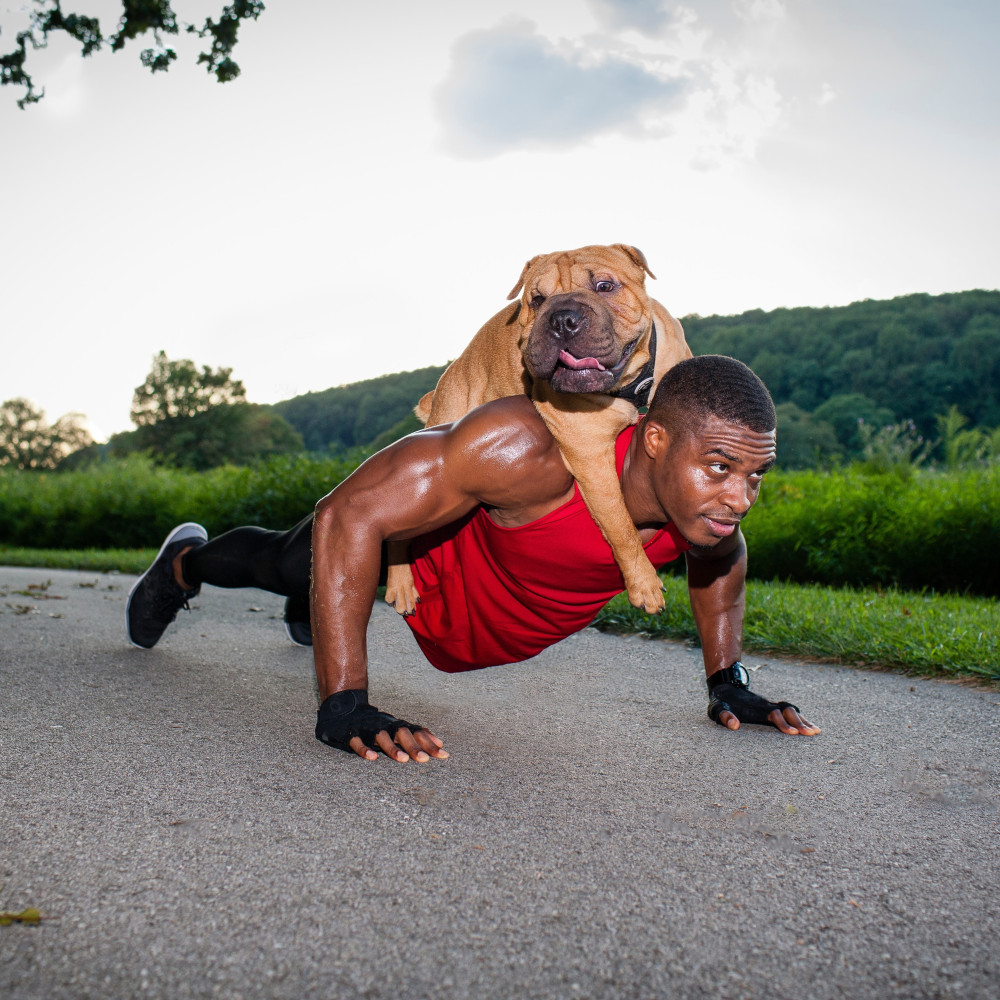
(585, 317)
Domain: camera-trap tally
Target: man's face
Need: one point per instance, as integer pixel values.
(710, 476)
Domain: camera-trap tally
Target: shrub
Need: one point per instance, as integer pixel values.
(133, 503)
(928, 531)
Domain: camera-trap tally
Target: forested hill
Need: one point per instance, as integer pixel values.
(356, 414)
(914, 356)
(908, 358)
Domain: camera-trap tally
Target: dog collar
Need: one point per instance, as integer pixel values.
(637, 391)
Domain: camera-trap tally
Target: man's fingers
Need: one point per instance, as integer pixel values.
(406, 740)
(796, 720)
(361, 750)
(390, 749)
(779, 720)
(792, 723)
(729, 720)
(430, 744)
(419, 746)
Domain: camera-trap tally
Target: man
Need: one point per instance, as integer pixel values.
(505, 556)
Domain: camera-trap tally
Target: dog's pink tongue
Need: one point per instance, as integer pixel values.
(570, 362)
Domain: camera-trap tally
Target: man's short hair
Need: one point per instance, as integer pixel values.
(712, 385)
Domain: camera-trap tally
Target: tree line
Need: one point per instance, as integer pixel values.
(893, 382)
(840, 374)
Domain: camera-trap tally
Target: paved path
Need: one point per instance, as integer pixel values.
(592, 835)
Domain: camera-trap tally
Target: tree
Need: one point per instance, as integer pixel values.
(199, 418)
(803, 440)
(350, 415)
(28, 441)
(846, 412)
(178, 389)
(228, 434)
(138, 18)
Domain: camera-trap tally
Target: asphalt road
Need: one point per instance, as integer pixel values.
(592, 835)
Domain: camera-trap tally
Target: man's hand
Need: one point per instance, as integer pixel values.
(346, 721)
(420, 746)
(731, 702)
(788, 721)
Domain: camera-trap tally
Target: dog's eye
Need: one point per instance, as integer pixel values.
(604, 286)
(537, 300)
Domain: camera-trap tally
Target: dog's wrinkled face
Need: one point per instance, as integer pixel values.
(587, 317)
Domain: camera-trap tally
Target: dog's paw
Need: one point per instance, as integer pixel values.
(401, 591)
(646, 592)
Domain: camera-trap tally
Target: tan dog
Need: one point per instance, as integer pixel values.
(581, 332)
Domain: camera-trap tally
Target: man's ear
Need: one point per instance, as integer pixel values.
(655, 439)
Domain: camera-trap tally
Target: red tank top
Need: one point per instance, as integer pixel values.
(492, 595)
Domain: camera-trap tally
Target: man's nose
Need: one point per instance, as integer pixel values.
(737, 495)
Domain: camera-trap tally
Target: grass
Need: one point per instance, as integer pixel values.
(927, 634)
(93, 560)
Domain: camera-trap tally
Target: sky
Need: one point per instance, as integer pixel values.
(361, 200)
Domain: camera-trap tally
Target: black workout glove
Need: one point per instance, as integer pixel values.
(347, 714)
(729, 691)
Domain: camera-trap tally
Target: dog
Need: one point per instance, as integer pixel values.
(589, 346)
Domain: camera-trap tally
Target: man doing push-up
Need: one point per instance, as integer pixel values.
(505, 556)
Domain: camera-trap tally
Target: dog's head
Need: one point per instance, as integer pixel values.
(585, 316)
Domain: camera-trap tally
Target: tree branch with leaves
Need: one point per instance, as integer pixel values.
(139, 17)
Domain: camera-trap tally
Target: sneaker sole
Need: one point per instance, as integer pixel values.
(201, 534)
(288, 632)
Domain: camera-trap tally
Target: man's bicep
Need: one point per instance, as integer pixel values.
(403, 491)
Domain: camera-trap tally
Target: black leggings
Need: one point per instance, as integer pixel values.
(278, 561)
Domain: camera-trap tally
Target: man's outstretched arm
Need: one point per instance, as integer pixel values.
(399, 492)
(500, 455)
(717, 590)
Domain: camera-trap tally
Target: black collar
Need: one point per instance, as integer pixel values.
(638, 390)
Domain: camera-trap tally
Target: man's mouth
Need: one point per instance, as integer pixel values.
(721, 528)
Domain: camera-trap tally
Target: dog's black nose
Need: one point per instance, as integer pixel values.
(566, 323)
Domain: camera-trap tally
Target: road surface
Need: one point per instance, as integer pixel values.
(593, 834)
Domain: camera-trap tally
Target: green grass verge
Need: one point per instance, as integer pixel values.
(93, 560)
(923, 634)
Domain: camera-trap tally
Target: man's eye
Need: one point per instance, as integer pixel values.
(720, 467)
(604, 287)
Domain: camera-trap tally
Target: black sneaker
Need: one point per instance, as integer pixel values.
(156, 597)
(297, 623)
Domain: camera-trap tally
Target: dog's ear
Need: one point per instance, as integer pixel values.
(516, 290)
(637, 257)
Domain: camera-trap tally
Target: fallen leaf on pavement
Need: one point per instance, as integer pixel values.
(26, 916)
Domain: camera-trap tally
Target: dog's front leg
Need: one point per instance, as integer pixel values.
(400, 588)
(586, 430)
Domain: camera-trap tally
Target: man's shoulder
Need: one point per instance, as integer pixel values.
(511, 418)
(507, 454)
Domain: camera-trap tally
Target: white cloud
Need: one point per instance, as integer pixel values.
(760, 10)
(647, 16)
(510, 88)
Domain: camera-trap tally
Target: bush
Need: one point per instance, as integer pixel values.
(133, 503)
(929, 530)
(923, 530)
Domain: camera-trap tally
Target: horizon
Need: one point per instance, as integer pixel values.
(364, 195)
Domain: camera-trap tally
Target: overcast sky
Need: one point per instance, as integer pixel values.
(364, 196)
